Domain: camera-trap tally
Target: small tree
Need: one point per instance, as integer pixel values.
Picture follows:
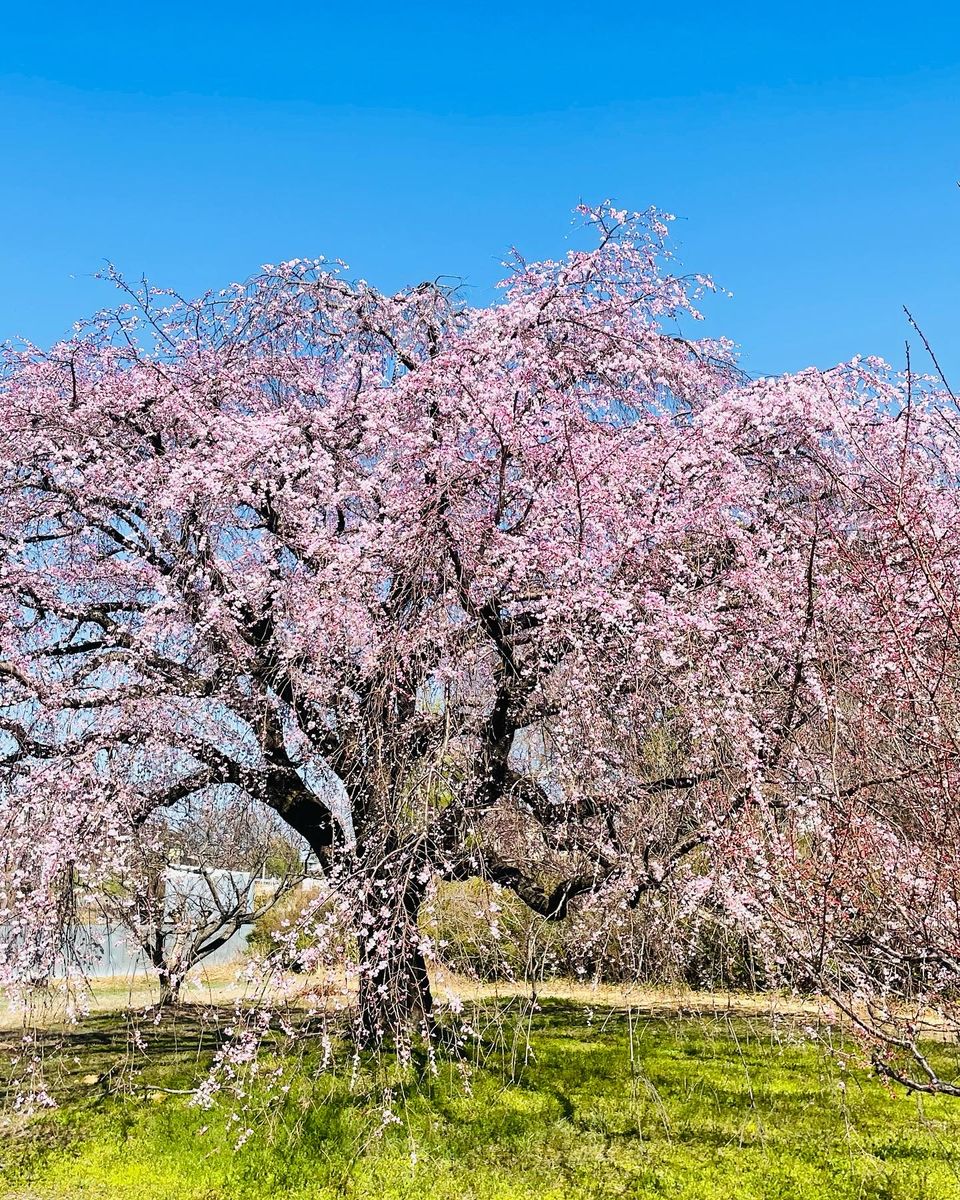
(192, 884)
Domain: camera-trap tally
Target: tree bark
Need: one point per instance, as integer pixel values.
(395, 1001)
(169, 988)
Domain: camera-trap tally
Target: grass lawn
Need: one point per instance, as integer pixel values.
(596, 1104)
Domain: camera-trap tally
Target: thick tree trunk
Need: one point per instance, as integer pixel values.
(394, 997)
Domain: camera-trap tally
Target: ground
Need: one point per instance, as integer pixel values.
(574, 1097)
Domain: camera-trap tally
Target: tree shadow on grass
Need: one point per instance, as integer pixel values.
(104, 1052)
(690, 1091)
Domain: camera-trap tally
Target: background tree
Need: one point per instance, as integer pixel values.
(192, 883)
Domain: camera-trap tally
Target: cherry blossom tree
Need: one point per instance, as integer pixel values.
(544, 592)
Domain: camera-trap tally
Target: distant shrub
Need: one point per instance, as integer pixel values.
(481, 931)
(486, 933)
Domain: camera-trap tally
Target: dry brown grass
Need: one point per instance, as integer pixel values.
(225, 985)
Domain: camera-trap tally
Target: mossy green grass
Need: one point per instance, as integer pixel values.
(561, 1103)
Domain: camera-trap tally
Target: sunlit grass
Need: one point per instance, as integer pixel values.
(597, 1104)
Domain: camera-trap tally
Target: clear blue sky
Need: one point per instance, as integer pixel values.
(811, 151)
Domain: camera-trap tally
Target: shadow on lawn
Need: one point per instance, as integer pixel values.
(190, 1033)
(107, 1051)
(607, 1097)
(552, 1046)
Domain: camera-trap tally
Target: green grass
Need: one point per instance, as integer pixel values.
(703, 1109)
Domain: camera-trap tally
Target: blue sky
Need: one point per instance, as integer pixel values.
(810, 152)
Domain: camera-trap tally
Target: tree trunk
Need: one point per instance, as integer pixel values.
(394, 997)
(170, 985)
(394, 1001)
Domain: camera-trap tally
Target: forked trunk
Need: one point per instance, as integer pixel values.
(169, 988)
